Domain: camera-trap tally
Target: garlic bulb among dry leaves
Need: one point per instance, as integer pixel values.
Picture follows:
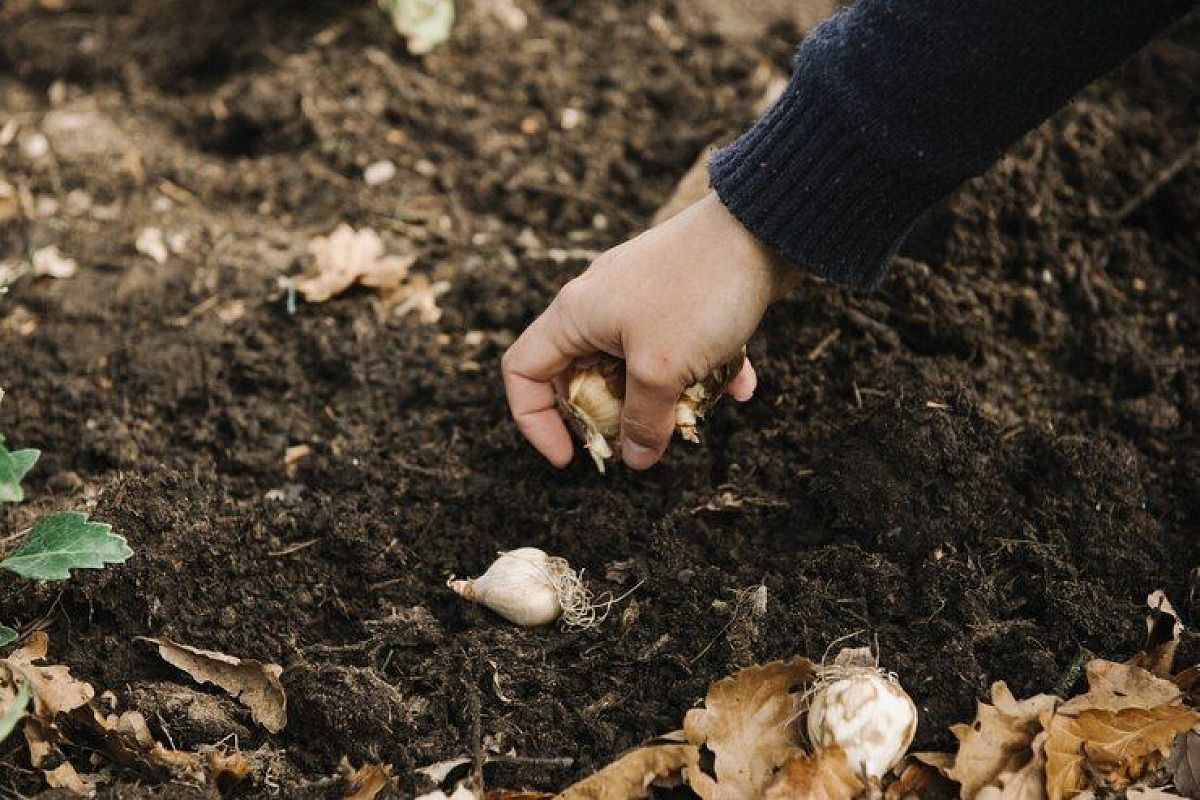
(595, 394)
(528, 587)
(862, 709)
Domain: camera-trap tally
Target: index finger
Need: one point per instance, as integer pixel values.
(529, 368)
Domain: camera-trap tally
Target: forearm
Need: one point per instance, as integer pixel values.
(893, 103)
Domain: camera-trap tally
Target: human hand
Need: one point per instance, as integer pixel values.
(675, 303)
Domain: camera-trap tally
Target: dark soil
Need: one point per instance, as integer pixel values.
(986, 471)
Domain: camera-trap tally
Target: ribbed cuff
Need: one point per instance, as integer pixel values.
(812, 186)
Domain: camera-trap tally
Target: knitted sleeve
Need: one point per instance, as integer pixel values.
(894, 103)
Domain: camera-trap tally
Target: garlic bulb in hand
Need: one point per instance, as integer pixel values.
(528, 587)
(595, 395)
(860, 708)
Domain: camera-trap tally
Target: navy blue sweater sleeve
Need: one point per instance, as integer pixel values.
(894, 103)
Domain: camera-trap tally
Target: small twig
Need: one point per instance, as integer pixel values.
(823, 345)
(166, 731)
(294, 548)
(477, 732)
(1161, 179)
(554, 762)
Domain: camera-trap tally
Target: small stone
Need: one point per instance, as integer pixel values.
(379, 172)
(571, 118)
(35, 146)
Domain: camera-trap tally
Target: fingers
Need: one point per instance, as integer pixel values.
(648, 418)
(543, 351)
(742, 387)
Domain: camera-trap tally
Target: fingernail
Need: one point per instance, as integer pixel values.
(637, 455)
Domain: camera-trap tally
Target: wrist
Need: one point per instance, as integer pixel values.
(777, 276)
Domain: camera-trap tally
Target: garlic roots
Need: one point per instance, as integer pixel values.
(528, 587)
(862, 709)
(595, 395)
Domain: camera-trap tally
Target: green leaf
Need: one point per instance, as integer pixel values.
(10, 716)
(63, 542)
(13, 468)
(7, 635)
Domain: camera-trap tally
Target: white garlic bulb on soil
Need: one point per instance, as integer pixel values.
(517, 586)
(594, 395)
(862, 709)
(528, 587)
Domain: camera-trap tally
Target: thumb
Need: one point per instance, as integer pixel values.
(648, 417)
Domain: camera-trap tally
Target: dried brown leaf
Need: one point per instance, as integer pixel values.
(1027, 782)
(54, 690)
(1184, 763)
(1188, 682)
(825, 775)
(942, 762)
(418, 294)
(999, 740)
(253, 683)
(748, 723)
(1113, 687)
(661, 761)
(1115, 747)
(64, 776)
(368, 781)
(913, 780)
(1163, 630)
(347, 256)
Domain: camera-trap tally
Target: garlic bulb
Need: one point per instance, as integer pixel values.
(528, 587)
(860, 708)
(595, 394)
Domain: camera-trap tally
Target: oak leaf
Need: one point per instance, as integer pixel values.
(253, 683)
(1025, 783)
(913, 780)
(347, 256)
(825, 775)
(54, 690)
(1113, 687)
(632, 775)
(748, 724)
(1163, 630)
(368, 781)
(1112, 748)
(999, 740)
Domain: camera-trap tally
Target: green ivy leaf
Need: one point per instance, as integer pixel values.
(9, 717)
(63, 542)
(7, 635)
(13, 467)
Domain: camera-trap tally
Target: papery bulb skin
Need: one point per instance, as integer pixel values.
(594, 396)
(517, 586)
(869, 716)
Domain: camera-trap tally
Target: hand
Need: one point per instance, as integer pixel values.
(675, 302)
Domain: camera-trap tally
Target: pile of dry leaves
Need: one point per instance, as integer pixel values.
(59, 714)
(1135, 732)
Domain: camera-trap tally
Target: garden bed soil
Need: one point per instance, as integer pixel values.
(984, 467)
